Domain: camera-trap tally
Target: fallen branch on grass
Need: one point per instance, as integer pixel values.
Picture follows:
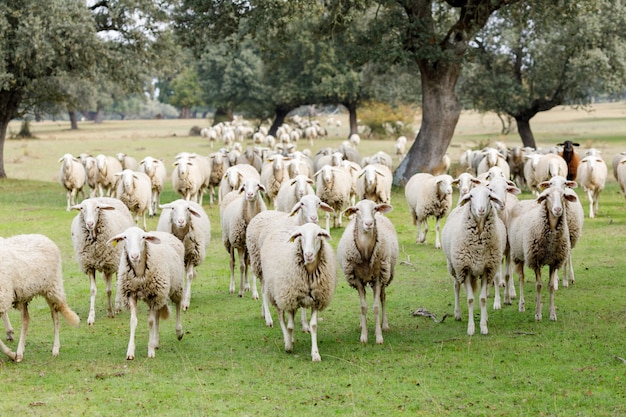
(425, 313)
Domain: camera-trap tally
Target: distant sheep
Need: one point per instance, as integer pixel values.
(333, 186)
(188, 221)
(374, 183)
(219, 165)
(292, 191)
(273, 175)
(91, 171)
(548, 166)
(492, 157)
(617, 160)
(107, 167)
(134, 189)
(151, 269)
(30, 265)
(428, 195)
(155, 170)
(367, 253)
(592, 172)
(72, 177)
(187, 178)
(234, 178)
(127, 161)
(572, 159)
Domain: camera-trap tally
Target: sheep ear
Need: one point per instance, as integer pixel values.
(295, 235)
(165, 206)
(261, 187)
(542, 186)
(115, 239)
(106, 207)
(575, 144)
(496, 200)
(476, 181)
(194, 211)
(455, 182)
(571, 184)
(295, 209)
(383, 208)
(465, 199)
(323, 233)
(152, 239)
(350, 211)
(310, 181)
(513, 190)
(361, 173)
(325, 207)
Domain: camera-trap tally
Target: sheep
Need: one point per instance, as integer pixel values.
(155, 169)
(515, 159)
(273, 174)
(474, 240)
(530, 167)
(572, 159)
(444, 165)
(187, 177)
(492, 157)
(188, 221)
(219, 165)
(354, 140)
(151, 269)
(236, 210)
(309, 280)
(548, 166)
(211, 134)
(72, 177)
(300, 165)
(107, 167)
(304, 211)
(374, 183)
(134, 189)
(292, 191)
(99, 219)
(367, 253)
(127, 161)
(465, 182)
(333, 186)
(380, 157)
(91, 172)
(31, 265)
(251, 157)
(203, 164)
(428, 195)
(538, 235)
(400, 147)
(620, 174)
(617, 160)
(591, 175)
(234, 177)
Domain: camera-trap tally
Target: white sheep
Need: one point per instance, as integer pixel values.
(474, 240)
(367, 253)
(538, 236)
(492, 157)
(99, 219)
(187, 177)
(155, 169)
(354, 140)
(591, 175)
(428, 195)
(219, 165)
(188, 221)
(620, 174)
(151, 269)
(234, 177)
(91, 172)
(308, 280)
(465, 182)
(333, 186)
(379, 157)
(31, 265)
(273, 174)
(616, 161)
(292, 191)
(134, 189)
(374, 183)
(107, 167)
(548, 166)
(236, 210)
(72, 177)
(530, 166)
(127, 161)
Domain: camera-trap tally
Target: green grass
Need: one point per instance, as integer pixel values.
(229, 363)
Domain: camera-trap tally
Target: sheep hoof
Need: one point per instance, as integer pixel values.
(130, 357)
(316, 357)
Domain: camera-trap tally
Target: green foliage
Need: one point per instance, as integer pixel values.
(384, 121)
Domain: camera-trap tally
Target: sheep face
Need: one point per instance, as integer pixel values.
(251, 189)
(444, 184)
(90, 211)
(134, 240)
(310, 240)
(365, 211)
(481, 199)
(558, 181)
(181, 213)
(554, 200)
(308, 206)
(465, 182)
(182, 164)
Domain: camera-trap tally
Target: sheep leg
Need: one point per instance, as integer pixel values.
(315, 354)
(21, 345)
(591, 204)
(7, 326)
(118, 297)
(153, 329)
(6, 350)
(376, 309)
(498, 282)
(93, 290)
(437, 240)
(130, 352)
(191, 275)
(265, 308)
(457, 301)
(425, 228)
(255, 293)
(509, 283)
(520, 273)
(108, 278)
(244, 285)
(470, 306)
(287, 334)
(383, 303)
(56, 345)
(232, 270)
(569, 271)
(552, 288)
(361, 289)
(328, 222)
(484, 316)
(304, 321)
(539, 285)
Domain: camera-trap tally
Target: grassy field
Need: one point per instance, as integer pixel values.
(229, 363)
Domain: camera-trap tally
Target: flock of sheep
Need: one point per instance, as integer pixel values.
(487, 231)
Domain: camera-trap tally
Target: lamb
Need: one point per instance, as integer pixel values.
(367, 253)
(234, 177)
(374, 183)
(107, 167)
(304, 211)
(428, 195)
(308, 281)
(474, 240)
(134, 189)
(99, 219)
(151, 269)
(155, 169)
(31, 265)
(572, 159)
(273, 174)
(236, 210)
(292, 191)
(492, 157)
(591, 175)
(187, 177)
(333, 186)
(72, 177)
(127, 161)
(188, 221)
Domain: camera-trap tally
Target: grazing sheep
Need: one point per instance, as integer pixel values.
(107, 167)
(134, 189)
(72, 177)
(374, 183)
(591, 175)
(292, 191)
(30, 265)
(151, 269)
(538, 236)
(99, 219)
(333, 186)
(234, 177)
(428, 195)
(236, 210)
(155, 169)
(127, 161)
(273, 174)
(367, 253)
(308, 280)
(188, 221)
(187, 177)
(304, 211)
(572, 159)
(474, 240)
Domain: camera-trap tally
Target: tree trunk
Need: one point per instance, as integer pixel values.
(440, 113)
(99, 115)
(222, 115)
(279, 118)
(9, 105)
(354, 128)
(73, 119)
(523, 128)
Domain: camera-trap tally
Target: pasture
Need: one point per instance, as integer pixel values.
(230, 363)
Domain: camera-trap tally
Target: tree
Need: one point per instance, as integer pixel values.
(41, 41)
(532, 59)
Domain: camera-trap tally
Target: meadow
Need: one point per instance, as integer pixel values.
(230, 363)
